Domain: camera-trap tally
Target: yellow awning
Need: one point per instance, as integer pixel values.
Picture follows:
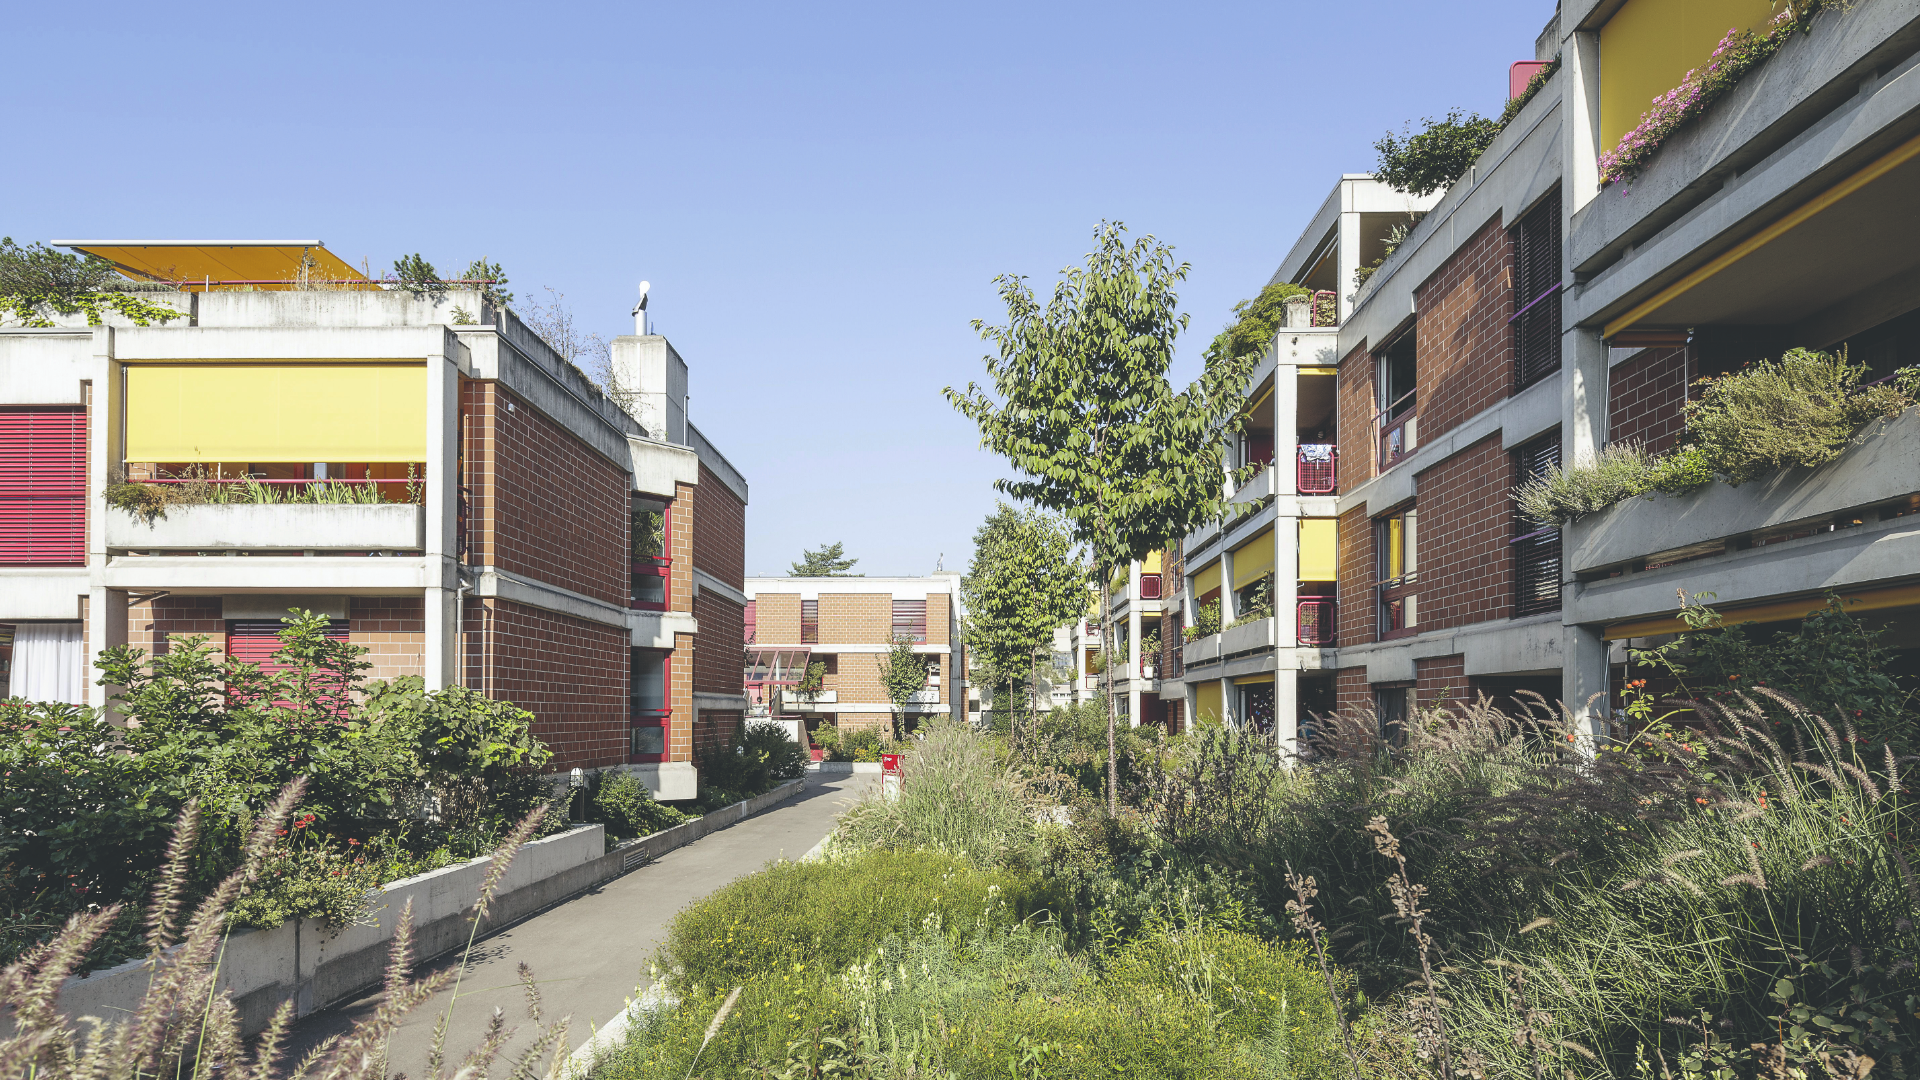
(270, 265)
(1152, 564)
(277, 412)
(1319, 549)
(1781, 610)
(1253, 560)
(1206, 580)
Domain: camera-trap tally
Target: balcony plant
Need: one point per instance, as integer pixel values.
(36, 279)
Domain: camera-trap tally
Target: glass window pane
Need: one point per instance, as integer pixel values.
(649, 681)
(649, 739)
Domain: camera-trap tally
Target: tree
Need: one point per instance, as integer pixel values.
(1086, 413)
(1025, 581)
(825, 561)
(903, 673)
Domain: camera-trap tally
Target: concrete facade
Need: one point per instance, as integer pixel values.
(509, 563)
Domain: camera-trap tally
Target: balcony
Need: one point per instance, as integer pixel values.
(1316, 621)
(1247, 637)
(1318, 469)
(328, 527)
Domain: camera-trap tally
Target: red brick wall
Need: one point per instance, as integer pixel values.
(1466, 346)
(543, 503)
(1359, 444)
(1466, 519)
(393, 630)
(151, 625)
(717, 656)
(1359, 622)
(571, 674)
(1352, 694)
(1441, 680)
(720, 530)
(1646, 398)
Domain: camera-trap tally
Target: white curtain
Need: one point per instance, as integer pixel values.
(48, 663)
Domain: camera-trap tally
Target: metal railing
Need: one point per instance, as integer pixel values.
(1316, 620)
(1149, 586)
(1318, 465)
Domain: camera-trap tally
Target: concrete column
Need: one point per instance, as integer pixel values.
(1584, 675)
(1229, 705)
(105, 409)
(1348, 259)
(1286, 709)
(1133, 644)
(1286, 433)
(1583, 396)
(1227, 612)
(106, 628)
(438, 654)
(441, 653)
(1580, 74)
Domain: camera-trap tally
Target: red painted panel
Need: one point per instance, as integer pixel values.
(43, 487)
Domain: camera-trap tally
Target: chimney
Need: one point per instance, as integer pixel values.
(650, 379)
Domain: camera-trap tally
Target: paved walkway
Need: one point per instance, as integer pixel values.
(590, 954)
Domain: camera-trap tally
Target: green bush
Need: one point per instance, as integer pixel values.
(626, 807)
(1798, 411)
(1565, 495)
(860, 744)
(758, 758)
(957, 796)
(1439, 154)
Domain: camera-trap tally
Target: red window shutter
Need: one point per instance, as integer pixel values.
(43, 487)
(256, 642)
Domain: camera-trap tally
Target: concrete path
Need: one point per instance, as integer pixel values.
(590, 954)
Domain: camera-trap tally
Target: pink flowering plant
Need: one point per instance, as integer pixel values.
(1739, 52)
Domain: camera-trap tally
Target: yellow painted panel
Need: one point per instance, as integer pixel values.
(1319, 371)
(1206, 581)
(1253, 560)
(1650, 45)
(1870, 600)
(1207, 702)
(1319, 549)
(1151, 565)
(276, 412)
(1254, 680)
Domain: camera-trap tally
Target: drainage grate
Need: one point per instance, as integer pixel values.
(633, 859)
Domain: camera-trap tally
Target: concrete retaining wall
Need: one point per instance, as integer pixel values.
(316, 967)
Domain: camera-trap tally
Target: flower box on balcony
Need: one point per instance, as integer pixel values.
(272, 527)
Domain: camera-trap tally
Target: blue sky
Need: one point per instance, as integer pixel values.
(821, 194)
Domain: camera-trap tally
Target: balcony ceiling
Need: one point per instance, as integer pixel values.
(1857, 234)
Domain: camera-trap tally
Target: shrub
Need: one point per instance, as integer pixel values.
(1564, 495)
(758, 758)
(1070, 743)
(1423, 163)
(861, 744)
(625, 805)
(1255, 322)
(1800, 410)
(957, 797)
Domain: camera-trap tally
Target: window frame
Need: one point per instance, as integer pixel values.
(639, 718)
(1397, 594)
(657, 566)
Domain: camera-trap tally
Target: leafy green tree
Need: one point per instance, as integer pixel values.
(496, 293)
(35, 279)
(1025, 581)
(418, 277)
(828, 560)
(1085, 412)
(903, 673)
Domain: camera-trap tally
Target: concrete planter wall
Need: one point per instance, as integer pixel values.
(285, 526)
(314, 967)
(1881, 464)
(1254, 635)
(1203, 650)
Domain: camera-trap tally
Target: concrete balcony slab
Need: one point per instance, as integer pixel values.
(271, 527)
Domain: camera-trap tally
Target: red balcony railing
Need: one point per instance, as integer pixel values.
(652, 580)
(1317, 620)
(1149, 586)
(1319, 469)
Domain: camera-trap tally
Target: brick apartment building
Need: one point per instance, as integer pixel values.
(849, 624)
(531, 538)
(1534, 316)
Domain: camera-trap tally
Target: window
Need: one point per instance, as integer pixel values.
(43, 487)
(253, 641)
(650, 711)
(910, 620)
(1398, 378)
(1536, 551)
(652, 568)
(1536, 293)
(1397, 541)
(1390, 707)
(809, 622)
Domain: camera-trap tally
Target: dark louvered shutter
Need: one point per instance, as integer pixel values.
(1536, 293)
(43, 487)
(1536, 550)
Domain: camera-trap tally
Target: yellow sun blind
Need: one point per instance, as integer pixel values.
(1253, 560)
(1648, 46)
(1152, 564)
(276, 412)
(1206, 581)
(1319, 549)
(1207, 703)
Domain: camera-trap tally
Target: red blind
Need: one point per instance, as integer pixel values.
(910, 620)
(256, 642)
(43, 487)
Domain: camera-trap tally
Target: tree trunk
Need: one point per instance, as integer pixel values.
(1106, 651)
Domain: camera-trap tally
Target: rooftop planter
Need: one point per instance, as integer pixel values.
(276, 526)
(1247, 637)
(1881, 463)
